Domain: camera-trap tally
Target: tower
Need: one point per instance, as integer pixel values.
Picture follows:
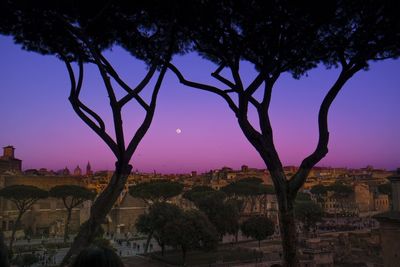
(8, 162)
(66, 171)
(89, 171)
(8, 152)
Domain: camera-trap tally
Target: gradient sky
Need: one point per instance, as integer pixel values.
(38, 120)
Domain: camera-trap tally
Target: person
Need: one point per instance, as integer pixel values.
(97, 256)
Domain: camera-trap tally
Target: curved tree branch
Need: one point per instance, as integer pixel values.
(78, 107)
(256, 83)
(83, 106)
(141, 131)
(216, 74)
(321, 150)
(204, 87)
(135, 93)
(116, 110)
(266, 128)
(131, 93)
(234, 67)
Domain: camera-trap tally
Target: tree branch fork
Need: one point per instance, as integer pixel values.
(262, 139)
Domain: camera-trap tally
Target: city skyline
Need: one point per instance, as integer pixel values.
(34, 98)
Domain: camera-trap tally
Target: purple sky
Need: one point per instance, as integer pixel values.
(38, 120)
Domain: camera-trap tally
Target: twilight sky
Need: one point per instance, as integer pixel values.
(38, 120)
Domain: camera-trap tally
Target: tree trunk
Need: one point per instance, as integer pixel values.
(66, 228)
(4, 260)
(288, 231)
(14, 229)
(183, 256)
(100, 208)
(146, 248)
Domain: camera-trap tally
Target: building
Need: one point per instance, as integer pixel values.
(8, 162)
(47, 215)
(89, 171)
(77, 171)
(123, 216)
(390, 226)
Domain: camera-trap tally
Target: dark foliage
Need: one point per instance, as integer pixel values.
(23, 197)
(258, 227)
(72, 196)
(97, 256)
(79, 33)
(286, 37)
(308, 213)
(153, 222)
(191, 231)
(156, 190)
(196, 192)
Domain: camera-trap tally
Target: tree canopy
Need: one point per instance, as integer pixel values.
(78, 194)
(247, 187)
(156, 190)
(78, 35)
(286, 37)
(318, 190)
(249, 190)
(275, 37)
(196, 192)
(153, 222)
(385, 188)
(303, 197)
(23, 197)
(258, 227)
(191, 231)
(308, 213)
(72, 196)
(340, 190)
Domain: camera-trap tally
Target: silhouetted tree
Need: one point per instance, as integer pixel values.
(308, 213)
(341, 193)
(201, 196)
(192, 230)
(319, 191)
(26, 260)
(223, 213)
(229, 218)
(154, 221)
(303, 197)
(156, 190)
(196, 192)
(23, 197)
(286, 37)
(385, 188)
(251, 190)
(258, 227)
(72, 196)
(4, 259)
(78, 35)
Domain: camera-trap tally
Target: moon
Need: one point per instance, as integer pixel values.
(178, 131)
